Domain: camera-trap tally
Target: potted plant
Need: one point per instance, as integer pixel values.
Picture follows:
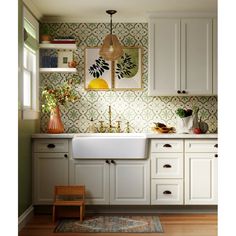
(45, 36)
(53, 97)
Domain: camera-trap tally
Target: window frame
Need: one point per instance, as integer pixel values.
(32, 112)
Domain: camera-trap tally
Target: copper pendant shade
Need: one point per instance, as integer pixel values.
(111, 48)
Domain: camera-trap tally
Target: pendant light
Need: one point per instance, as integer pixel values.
(111, 48)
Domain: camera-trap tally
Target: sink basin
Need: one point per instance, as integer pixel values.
(109, 146)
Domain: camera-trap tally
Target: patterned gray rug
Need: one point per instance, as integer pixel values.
(111, 224)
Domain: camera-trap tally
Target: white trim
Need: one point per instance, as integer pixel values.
(25, 217)
(34, 10)
(29, 114)
(179, 14)
(58, 46)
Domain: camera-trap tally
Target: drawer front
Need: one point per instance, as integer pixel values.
(167, 165)
(51, 145)
(166, 145)
(167, 192)
(201, 145)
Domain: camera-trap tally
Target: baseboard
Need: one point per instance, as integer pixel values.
(161, 209)
(25, 217)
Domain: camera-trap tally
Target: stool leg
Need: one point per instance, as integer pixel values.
(81, 213)
(53, 214)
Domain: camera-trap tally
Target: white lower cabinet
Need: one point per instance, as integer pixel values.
(201, 163)
(201, 178)
(95, 176)
(113, 182)
(50, 168)
(167, 192)
(130, 182)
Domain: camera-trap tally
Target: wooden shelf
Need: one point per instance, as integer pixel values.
(58, 46)
(51, 70)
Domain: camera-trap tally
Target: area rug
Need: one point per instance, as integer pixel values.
(111, 224)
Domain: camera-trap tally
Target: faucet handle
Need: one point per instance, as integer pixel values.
(127, 127)
(118, 129)
(101, 128)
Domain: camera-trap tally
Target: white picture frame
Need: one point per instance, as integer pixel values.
(63, 58)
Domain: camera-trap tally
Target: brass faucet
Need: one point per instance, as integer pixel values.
(110, 124)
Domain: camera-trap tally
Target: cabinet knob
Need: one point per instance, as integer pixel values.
(113, 162)
(65, 155)
(167, 145)
(183, 91)
(216, 145)
(216, 155)
(179, 91)
(167, 166)
(167, 192)
(51, 145)
(108, 162)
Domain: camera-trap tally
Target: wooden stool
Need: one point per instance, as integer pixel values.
(69, 191)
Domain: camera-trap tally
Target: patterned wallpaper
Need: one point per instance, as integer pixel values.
(136, 107)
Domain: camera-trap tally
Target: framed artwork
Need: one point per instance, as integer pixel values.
(98, 72)
(128, 70)
(63, 58)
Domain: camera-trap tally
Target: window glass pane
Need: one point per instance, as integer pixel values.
(27, 88)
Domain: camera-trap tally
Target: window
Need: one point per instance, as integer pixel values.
(30, 67)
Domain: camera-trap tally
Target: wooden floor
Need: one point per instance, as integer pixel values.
(173, 225)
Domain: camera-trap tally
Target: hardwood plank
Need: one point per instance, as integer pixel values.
(173, 225)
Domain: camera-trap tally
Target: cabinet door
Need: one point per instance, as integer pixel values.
(201, 178)
(196, 56)
(50, 169)
(215, 56)
(95, 176)
(164, 57)
(130, 182)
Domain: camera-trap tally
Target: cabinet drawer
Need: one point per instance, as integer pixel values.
(167, 165)
(51, 145)
(201, 145)
(166, 145)
(167, 192)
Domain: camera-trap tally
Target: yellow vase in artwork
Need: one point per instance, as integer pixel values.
(98, 83)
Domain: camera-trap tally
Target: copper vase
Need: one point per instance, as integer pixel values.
(55, 125)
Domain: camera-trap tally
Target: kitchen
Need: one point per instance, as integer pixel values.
(140, 109)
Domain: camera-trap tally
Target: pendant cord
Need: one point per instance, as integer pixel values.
(111, 43)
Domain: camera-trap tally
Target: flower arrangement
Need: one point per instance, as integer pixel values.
(52, 97)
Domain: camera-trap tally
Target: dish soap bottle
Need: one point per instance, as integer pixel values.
(92, 128)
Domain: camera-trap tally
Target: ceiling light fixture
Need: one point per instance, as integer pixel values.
(111, 48)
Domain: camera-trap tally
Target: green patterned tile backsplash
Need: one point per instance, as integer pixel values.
(136, 107)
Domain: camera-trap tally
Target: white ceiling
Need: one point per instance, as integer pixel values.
(127, 10)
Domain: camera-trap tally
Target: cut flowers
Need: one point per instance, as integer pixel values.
(66, 92)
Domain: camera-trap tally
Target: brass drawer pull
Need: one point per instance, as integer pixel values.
(167, 192)
(167, 166)
(51, 145)
(167, 145)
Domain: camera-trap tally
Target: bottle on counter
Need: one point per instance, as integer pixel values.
(92, 128)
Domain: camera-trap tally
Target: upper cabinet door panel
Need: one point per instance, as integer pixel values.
(215, 57)
(196, 56)
(164, 56)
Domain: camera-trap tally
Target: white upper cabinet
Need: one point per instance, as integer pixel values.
(164, 56)
(196, 56)
(181, 56)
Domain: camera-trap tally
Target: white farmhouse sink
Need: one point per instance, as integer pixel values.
(109, 146)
